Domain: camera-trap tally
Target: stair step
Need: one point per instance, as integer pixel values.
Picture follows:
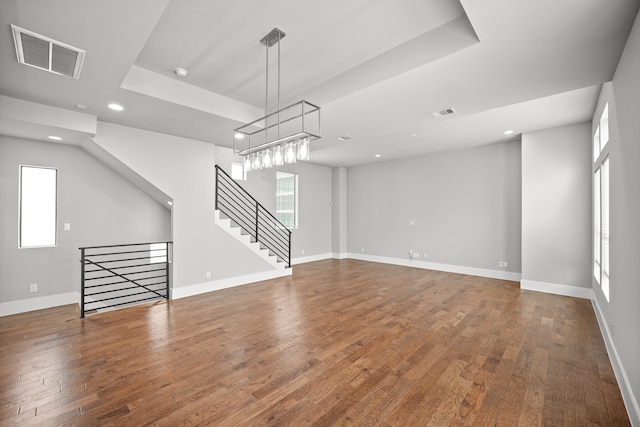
(247, 239)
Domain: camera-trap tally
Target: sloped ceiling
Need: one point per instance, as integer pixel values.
(378, 68)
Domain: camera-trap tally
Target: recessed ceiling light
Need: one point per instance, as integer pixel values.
(81, 106)
(115, 107)
(181, 72)
(378, 155)
(239, 136)
(54, 138)
(508, 132)
(413, 135)
(170, 203)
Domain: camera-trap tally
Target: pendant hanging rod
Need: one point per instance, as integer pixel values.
(269, 40)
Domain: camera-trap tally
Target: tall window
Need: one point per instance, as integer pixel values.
(287, 199)
(38, 206)
(597, 234)
(605, 227)
(601, 224)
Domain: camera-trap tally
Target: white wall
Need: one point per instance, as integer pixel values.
(339, 215)
(185, 170)
(556, 208)
(466, 206)
(623, 312)
(102, 208)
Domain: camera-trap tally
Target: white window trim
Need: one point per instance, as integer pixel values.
(601, 161)
(21, 208)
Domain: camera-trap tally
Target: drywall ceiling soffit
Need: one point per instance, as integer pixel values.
(450, 133)
(332, 72)
(24, 119)
(323, 40)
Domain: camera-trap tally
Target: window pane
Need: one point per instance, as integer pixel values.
(596, 144)
(604, 127)
(286, 199)
(37, 206)
(596, 225)
(237, 171)
(605, 227)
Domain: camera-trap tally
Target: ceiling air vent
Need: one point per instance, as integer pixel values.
(442, 113)
(47, 54)
(344, 137)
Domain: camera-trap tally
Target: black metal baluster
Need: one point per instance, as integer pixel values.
(81, 283)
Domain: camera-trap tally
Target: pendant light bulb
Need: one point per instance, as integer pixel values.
(290, 153)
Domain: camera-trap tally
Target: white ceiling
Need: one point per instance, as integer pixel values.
(377, 68)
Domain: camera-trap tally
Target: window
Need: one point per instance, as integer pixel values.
(605, 228)
(38, 206)
(601, 224)
(287, 199)
(604, 127)
(237, 171)
(597, 235)
(596, 144)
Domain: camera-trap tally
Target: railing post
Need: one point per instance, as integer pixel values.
(217, 179)
(167, 267)
(289, 262)
(257, 219)
(82, 283)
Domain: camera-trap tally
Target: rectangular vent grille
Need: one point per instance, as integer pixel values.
(47, 54)
(442, 113)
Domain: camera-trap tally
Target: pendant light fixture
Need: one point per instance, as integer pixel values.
(282, 136)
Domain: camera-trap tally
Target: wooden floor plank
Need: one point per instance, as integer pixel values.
(340, 342)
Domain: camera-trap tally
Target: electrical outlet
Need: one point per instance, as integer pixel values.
(361, 249)
(208, 275)
(505, 264)
(611, 327)
(416, 254)
(33, 287)
(500, 263)
(412, 221)
(425, 255)
(303, 252)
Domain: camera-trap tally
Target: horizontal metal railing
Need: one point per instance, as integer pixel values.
(120, 275)
(263, 227)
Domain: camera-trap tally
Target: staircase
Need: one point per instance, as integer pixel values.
(238, 213)
(236, 231)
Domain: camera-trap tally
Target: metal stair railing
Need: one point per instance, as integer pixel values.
(119, 275)
(245, 211)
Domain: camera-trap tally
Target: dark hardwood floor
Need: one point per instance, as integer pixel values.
(338, 343)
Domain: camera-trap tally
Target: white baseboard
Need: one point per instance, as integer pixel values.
(472, 271)
(630, 401)
(31, 304)
(341, 255)
(310, 258)
(216, 285)
(556, 289)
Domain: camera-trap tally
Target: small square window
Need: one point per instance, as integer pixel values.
(237, 171)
